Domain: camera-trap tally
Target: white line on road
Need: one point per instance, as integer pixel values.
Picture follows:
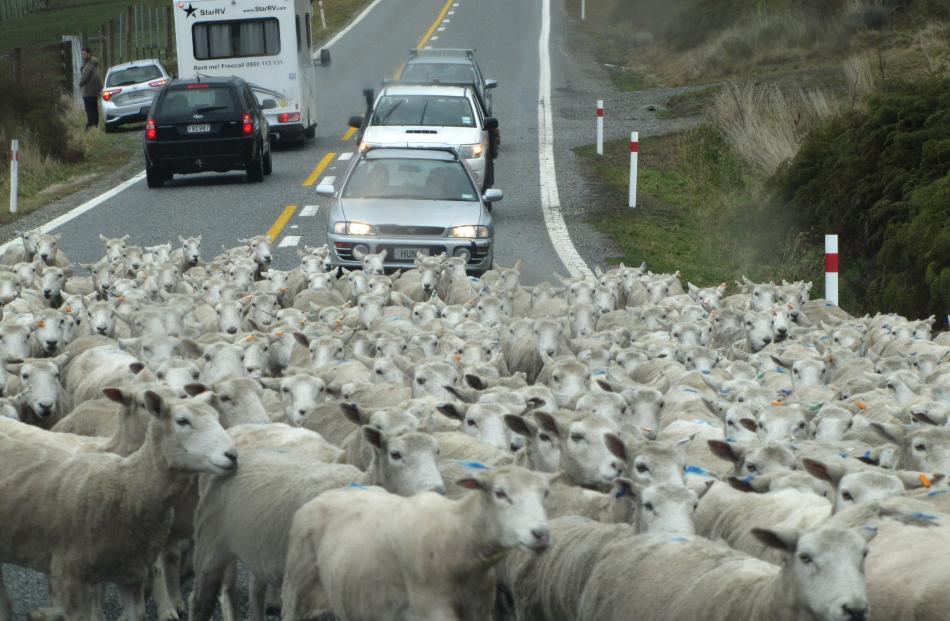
(433, 38)
(550, 199)
(289, 241)
(345, 156)
(446, 21)
(309, 211)
(78, 211)
(440, 29)
(353, 23)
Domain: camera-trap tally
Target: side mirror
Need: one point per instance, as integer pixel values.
(491, 123)
(324, 57)
(326, 190)
(491, 84)
(355, 121)
(491, 195)
(370, 96)
(268, 104)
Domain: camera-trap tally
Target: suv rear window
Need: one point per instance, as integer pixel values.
(218, 100)
(134, 75)
(442, 72)
(424, 110)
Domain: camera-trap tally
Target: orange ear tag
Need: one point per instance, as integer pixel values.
(925, 480)
(861, 405)
(40, 324)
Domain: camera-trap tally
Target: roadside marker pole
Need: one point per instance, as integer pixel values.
(583, 10)
(634, 156)
(323, 17)
(600, 127)
(831, 269)
(14, 173)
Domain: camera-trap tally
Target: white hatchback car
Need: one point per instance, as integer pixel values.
(410, 115)
(128, 90)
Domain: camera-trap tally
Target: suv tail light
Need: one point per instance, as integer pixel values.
(157, 83)
(109, 94)
(248, 127)
(151, 133)
(288, 117)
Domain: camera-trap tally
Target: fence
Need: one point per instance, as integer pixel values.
(138, 32)
(50, 67)
(11, 9)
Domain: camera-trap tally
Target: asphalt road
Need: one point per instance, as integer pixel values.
(225, 207)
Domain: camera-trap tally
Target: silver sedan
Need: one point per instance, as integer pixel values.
(408, 202)
(128, 91)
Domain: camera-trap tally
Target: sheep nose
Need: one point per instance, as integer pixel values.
(783, 330)
(439, 489)
(45, 406)
(549, 352)
(101, 329)
(267, 258)
(44, 256)
(855, 614)
(51, 344)
(232, 330)
(232, 457)
(47, 293)
(542, 538)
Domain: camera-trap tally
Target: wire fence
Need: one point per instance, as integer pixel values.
(12, 9)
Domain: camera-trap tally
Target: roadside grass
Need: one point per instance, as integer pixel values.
(339, 13)
(690, 103)
(64, 17)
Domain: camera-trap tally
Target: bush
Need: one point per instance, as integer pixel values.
(26, 107)
(879, 178)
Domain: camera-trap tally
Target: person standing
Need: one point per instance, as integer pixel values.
(90, 84)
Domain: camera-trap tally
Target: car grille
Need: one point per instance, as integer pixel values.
(392, 229)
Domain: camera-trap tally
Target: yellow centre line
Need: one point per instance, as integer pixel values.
(349, 134)
(428, 35)
(318, 169)
(274, 231)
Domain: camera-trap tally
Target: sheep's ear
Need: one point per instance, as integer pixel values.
(117, 395)
(136, 367)
(196, 389)
(271, 383)
(616, 446)
(302, 338)
(520, 425)
(831, 473)
(474, 482)
(715, 406)
(453, 410)
(474, 382)
(929, 419)
(354, 413)
(375, 436)
(548, 423)
(782, 362)
(191, 348)
(707, 485)
(749, 424)
(780, 539)
(725, 450)
(893, 433)
(156, 405)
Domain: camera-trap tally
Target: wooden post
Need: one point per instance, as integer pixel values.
(168, 32)
(113, 41)
(68, 66)
(17, 64)
(129, 27)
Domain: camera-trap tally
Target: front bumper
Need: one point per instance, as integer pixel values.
(400, 251)
(478, 169)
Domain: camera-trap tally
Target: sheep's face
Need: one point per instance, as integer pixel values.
(426, 342)
(102, 277)
(485, 422)
(698, 358)
(148, 322)
(312, 264)
(25, 273)
(430, 271)
(319, 281)
(191, 249)
(14, 341)
(666, 509)
(827, 569)
(133, 259)
(256, 356)
(764, 460)
(153, 350)
(809, 372)
(241, 275)
(605, 299)
(325, 350)
(281, 349)
(597, 359)
(101, 318)
(9, 288)
(221, 361)
(51, 283)
(568, 380)
(156, 255)
(430, 379)
(177, 373)
(762, 297)
(229, 314)
(389, 345)
(645, 405)
(115, 247)
(547, 334)
(926, 449)
(779, 425)
(653, 463)
(405, 464)
(831, 424)
(592, 454)
(424, 313)
(370, 309)
(239, 399)
(41, 383)
(543, 295)
(580, 292)
(301, 395)
(50, 330)
(262, 309)
(630, 360)
(167, 276)
(453, 315)
(29, 239)
(357, 281)
(47, 246)
(659, 290)
(735, 431)
(608, 405)
(192, 439)
(758, 330)
(381, 286)
(490, 310)
(386, 371)
(863, 487)
(374, 264)
(582, 318)
(260, 250)
(514, 500)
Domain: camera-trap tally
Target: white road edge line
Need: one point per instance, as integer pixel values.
(78, 211)
(289, 241)
(550, 199)
(349, 27)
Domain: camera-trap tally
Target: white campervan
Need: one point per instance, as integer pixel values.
(268, 43)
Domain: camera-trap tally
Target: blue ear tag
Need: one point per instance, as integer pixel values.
(678, 539)
(473, 465)
(696, 470)
(747, 479)
(355, 486)
(920, 515)
(621, 493)
(867, 455)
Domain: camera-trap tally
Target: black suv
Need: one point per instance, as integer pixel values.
(207, 124)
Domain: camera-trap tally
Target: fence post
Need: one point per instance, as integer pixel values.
(831, 269)
(323, 17)
(113, 41)
(583, 10)
(14, 173)
(634, 157)
(168, 32)
(17, 62)
(600, 127)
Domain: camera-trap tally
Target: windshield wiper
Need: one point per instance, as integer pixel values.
(391, 110)
(422, 117)
(210, 109)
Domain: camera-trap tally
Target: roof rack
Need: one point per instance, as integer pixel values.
(418, 146)
(443, 52)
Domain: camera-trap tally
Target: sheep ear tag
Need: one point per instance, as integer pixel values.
(925, 480)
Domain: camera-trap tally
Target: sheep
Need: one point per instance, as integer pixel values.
(467, 537)
(922, 448)
(300, 394)
(263, 497)
(94, 369)
(131, 502)
(42, 401)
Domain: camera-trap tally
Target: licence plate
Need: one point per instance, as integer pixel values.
(199, 129)
(410, 253)
(138, 95)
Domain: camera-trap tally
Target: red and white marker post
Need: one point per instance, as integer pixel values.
(634, 155)
(831, 269)
(600, 127)
(323, 16)
(14, 173)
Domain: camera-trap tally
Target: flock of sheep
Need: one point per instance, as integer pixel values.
(428, 446)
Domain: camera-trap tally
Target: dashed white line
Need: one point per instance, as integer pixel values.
(433, 38)
(345, 156)
(309, 211)
(428, 47)
(550, 199)
(451, 12)
(294, 226)
(289, 241)
(446, 21)
(440, 29)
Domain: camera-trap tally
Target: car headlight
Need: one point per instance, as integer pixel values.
(352, 228)
(469, 232)
(470, 151)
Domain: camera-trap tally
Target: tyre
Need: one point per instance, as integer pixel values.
(489, 174)
(268, 163)
(311, 131)
(255, 169)
(154, 178)
(110, 129)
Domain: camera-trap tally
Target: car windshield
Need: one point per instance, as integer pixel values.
(441, 72)
(188, 102)
(410, 178)
(134, 75)
(426, 110)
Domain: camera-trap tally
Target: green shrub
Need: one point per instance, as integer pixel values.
(879, 178)
(26, 106)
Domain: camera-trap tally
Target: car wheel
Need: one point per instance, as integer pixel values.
(311, 131)
(110, 129)
(255, 169)
(268, 163)
(489, 174)
(154, 178)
